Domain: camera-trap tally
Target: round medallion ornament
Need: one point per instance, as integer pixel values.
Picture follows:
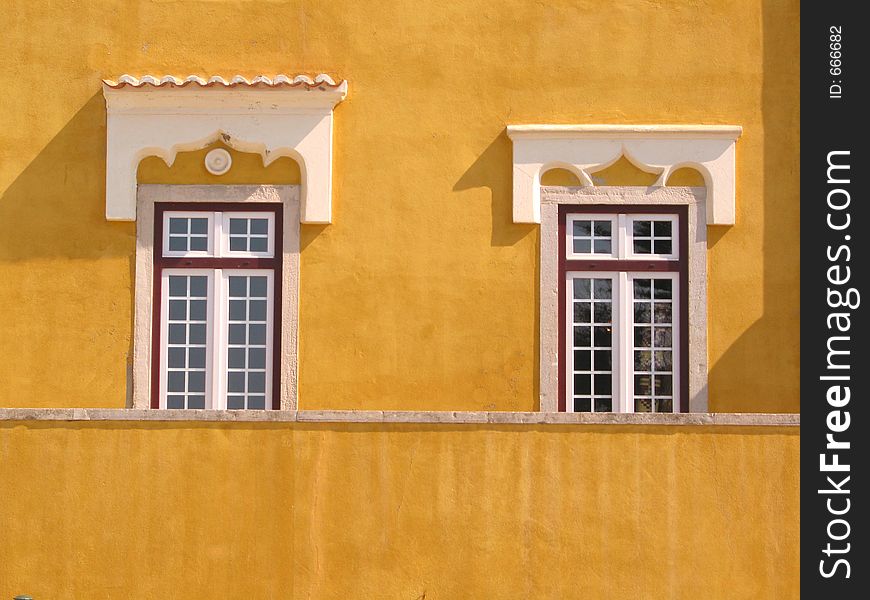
(218, 161)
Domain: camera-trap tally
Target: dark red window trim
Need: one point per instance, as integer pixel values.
(681, 266)
(161, 262)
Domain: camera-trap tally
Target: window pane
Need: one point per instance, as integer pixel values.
(602, 247)
(582, 246)
(249, 234)
(603, 405)
(582, 289)
(663, 337)
(642, 312)
(582, 228)
(602, 228)
(602, 312)
(603, 385)
(662, 229)
(177, 225)
(663, 247)
(665, 405)
(642, 246)
(582, 360)
(582, 384)
(642, 228)
(582, 405)
(187, 234)
(642, 289)
(663, 289)
(603, 337)
(642, 337)
(177, 244)
(582, 312)
(198, 244)
(199, 226)
(582, 337)
(603, 360)
(603, 289)
(642, 405)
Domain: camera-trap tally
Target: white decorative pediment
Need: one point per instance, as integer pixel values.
(274, 117)
(582, 149)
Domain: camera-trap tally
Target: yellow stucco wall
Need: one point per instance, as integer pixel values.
(423, 293)
(397, 511)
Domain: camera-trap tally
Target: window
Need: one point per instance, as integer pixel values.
(217, 291)
(623, 317)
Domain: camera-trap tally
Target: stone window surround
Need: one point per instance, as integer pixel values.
(695, 199)
(143, 308)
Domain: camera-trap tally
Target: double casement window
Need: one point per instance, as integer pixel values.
(623, 318)
(217, 298)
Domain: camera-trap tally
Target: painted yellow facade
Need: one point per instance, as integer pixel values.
(421, 295)
(401, 511)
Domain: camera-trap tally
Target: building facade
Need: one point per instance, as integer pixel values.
(485, 299)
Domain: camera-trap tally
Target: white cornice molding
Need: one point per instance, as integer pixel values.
(662, 149)
(272, 117)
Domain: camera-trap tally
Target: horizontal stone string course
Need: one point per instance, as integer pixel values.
(377, 416)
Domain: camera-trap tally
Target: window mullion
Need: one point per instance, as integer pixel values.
(217, 345)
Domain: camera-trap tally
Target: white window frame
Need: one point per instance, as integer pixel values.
(209, 251)
(629, 252)
(224, 235)
(622, 339)
(614, 237)
(139, 386)
(695, 309)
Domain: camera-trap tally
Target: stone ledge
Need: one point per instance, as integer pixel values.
(377, 416)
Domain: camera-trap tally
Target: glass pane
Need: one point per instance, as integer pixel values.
(196, 402)
(662, 229)
(177, 334)
(238, 244)
(642, 405)
(197, 334)
(642, 360)
(177, 244)
(603, 385)
(256, 403)
(196, 381)
(176, 358)
(643, 385)
(177, 225)
(582, 360)
(259, 226)
(195, 358)
(198, 286)
(603, 337)
(237, 334)
(177, 310)
(664, 385)
(235, 402)
(582, 384)
(602, 312)
(602, 247)
(663, 360)
(199, 226)
(603, 405)
(257, 310)
(259, 244)
(582, 337)
(174, 401)
(238, 226)
(602, 228)
(236, 358)
(582, 288)
(641, 312)
(582, 405)
(177, 286)
(642, 289)
(603, 289)
(257, 335)
(258, 287)
(642, 246)
(642, 337)
(198, 244)
(257, 382)
(665, 405)
(663, 247)
(257, 358)
(663, 337)
(642, 228)
(175, 381)
(197, 310)
(582, 246)
(582, 228)
(582, 312)
(603, 360)
(663, 289)
(663, 312)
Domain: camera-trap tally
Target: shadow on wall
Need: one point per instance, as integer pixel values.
(56, 206)
(493, 169)
(757, 351)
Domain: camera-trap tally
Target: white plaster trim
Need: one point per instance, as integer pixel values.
(660, 149)
(143, 309)
(424, 417)
(694, 198)
(155, 120)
